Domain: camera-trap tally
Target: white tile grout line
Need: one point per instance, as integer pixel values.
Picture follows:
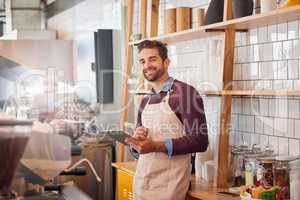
(247, 132)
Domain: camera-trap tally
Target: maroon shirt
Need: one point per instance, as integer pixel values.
(187, 104)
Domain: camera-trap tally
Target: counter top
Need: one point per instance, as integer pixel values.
(128, 167)
(200, 189)
(206, 191)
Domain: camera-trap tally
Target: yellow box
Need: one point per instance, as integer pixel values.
(124, 185)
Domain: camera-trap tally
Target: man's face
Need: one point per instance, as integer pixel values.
(153, 66)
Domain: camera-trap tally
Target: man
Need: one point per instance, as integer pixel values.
(171, 125)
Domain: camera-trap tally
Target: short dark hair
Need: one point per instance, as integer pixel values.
(150, 44)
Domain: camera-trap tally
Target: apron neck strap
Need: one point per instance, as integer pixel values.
(166, 97)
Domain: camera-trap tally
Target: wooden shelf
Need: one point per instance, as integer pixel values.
(190, 34)
(240, 24)
(288, 93)
(273, 17)
(283, 93)
(201, 189)
(142, 92)
(129, 167)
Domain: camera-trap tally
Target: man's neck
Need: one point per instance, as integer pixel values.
(158, 84)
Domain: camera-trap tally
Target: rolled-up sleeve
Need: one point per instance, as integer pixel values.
(194, 122)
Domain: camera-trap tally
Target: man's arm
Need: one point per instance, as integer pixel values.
(194, 122)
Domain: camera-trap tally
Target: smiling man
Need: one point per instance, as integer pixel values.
(171, 125)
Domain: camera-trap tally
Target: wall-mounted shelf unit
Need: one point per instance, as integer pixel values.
(241, 24)
(190, 34)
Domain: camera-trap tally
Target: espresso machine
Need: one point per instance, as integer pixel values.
(33, 159)
(14, 136)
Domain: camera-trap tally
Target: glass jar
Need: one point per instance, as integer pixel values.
(237, 165)
(281, 172)
(295, 180)
(267, 164)
(251, 165)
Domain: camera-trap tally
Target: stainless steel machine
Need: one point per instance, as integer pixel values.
(34, 156)
(14, 136)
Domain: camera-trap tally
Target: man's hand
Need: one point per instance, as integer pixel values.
(145, 145)
(140, 132)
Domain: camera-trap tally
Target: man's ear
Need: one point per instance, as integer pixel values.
(167, 62)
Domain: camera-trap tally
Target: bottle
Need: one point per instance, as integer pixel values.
(250, 171)
(267, 5)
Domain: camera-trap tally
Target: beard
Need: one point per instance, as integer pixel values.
(154, 74)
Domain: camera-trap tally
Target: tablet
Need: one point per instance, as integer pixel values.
(119, 136)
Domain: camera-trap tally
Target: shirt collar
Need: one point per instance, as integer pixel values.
(165, 87)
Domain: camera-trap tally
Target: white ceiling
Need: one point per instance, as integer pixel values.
(89, 15)
(1, 4)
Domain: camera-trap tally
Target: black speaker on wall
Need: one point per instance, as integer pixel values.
(104, 66)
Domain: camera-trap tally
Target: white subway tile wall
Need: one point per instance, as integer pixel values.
(265, 58)
(283, 146)
(272, 33)
(274, 65)
(293, 30)
(294, 147)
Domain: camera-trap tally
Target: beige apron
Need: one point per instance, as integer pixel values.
(158, 176)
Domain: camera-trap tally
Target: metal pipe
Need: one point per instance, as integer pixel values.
(90, 166)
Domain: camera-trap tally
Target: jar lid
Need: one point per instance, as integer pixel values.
(237, 152)
(269, 151)
(286, 158)
(270, 159)
(256, 149)
(252, 154)
(251, 157)
(295, 163)
(242, 149)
